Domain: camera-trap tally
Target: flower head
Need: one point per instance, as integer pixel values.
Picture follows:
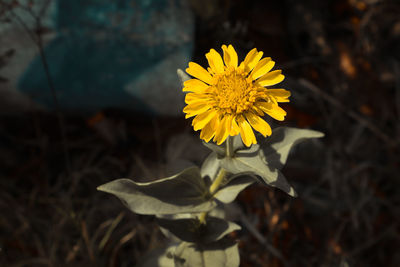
(229, 99)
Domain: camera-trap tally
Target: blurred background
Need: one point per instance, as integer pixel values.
(89, 93)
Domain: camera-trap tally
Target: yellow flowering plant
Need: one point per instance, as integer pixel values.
(226, 101)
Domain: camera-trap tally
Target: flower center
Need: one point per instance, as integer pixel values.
(233, 93)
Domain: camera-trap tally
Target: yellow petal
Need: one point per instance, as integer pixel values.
(202, 119)
(191, 98)
(249, 56)
(209, 130)
(273, 100)
(230, 56)
(262, 68)
(207, 133)
(259, 124)
(229, 119)
(251, 59)
(195, 108)
(223, 130)
(235, 130)
(277, 113)
(272, 110)
(271, 78)
(281, 95)
(227, 58)
(233, 56)
(215, 61)
(231, 125)
(199, 72)
(257, 110)
(246, 133)
(195, 85)
(264, 105)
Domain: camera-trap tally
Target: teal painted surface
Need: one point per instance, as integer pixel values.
(101, 46)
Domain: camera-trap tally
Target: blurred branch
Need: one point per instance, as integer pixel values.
(375, 130)
(299, 62)
(253, 230)
(36, 36)
(396, 67)
(388, 232)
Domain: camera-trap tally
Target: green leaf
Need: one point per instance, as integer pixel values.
(237, 143)
(249, 161)
(210, 166)
(236, 183)
(185, 192)
(223, 253)
(218, 149)
(212, 163)
(267, 162)
(191, 230)
(168, 234)
(277, 147)
(248, 152)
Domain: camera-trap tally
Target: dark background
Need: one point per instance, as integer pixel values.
(341, 60)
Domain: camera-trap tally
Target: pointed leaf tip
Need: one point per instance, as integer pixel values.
(293, 193)
(182, 75)
(278, 146)
(219, 149)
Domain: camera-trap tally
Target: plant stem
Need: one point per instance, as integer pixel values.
(213, 188)
(60, 118)
(217, 182)
(229, 147)
(220, 176)
(37, 39)
(202, 217)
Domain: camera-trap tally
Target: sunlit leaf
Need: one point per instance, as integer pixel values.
(277, 147)
(223, 253)
(267, 162)
(253, 163)
(237, 143)
(191, 230)
(210, 166)
(236, 183)
(185, 192)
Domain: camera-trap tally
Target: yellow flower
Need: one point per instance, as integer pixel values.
(227, 99)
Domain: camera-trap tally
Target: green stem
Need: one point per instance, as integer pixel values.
(220, 176)
(213, 188)
(229, 147)
(202, 217)
(217, 182)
